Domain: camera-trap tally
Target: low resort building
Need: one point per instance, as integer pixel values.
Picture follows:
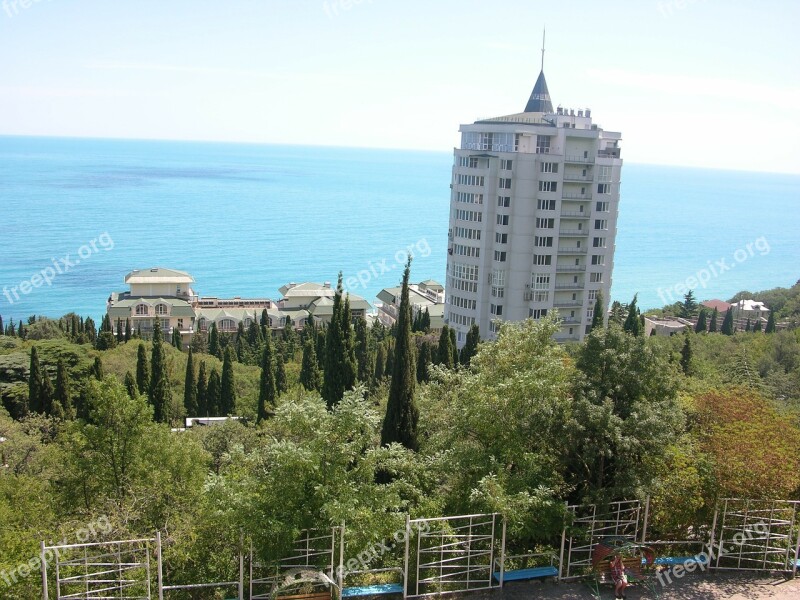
(425, 295)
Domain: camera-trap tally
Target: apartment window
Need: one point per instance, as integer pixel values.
(602, 206)
(164, 324)
(469, 215)
(540, 282)
(473, 162)
(499, 256)
(546, 204)
(142, 309)
(542, 144)
(504, 201)
(498, 277)
(595, 278)
(545, 223)
(468, 198)
(603, 188)
(592, 295)
(548, 186)
(465, 271)
(590, 313)
(501, 238)
(469, 234)
(462, 250)
(543, 259)
(541, 296)
(605, 173)
(543, 242)
(505, 183)
(505, 165)
(537, 313)
(598, 259)
(599, 242)
(549, 167)
(502, 219)
(601, 224)
(498, 292)
(517, 137)
(487, 141)
(470, 180)
(496, 309)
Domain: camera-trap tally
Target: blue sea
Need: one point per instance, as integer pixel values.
(245, 219)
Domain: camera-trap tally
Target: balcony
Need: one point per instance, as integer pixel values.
(580, 160)
(572, 250)
(567, 304)
(576, 196)
(570, 320)
(577, 178)
(575, 215)
(570, 268)
(569, 286)
(574, 232)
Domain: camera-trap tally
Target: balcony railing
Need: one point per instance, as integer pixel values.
(570, 320)
(568, 177)
(571, 268)
(583, 160)
(567, 304)
(569, 286)
(575, 215)
(573, 232)
(572, 250)
(576, 196)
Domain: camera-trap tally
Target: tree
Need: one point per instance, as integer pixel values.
(702, 324)
(309, 371)
(214, 394)
(97, 369)
(688, 307)
(228, 385)
(340, 363)
(213, 341)
(712, 328)
(35, 383)
(453, 346)
(423, 363)
(63, 397)
(267, 391)
(142, 370)
(362, 350)
(633, 323)
(400, 422)
(281, 382)
(757, 326)
(48, 395)
(177, 342)
(727, 323)
(190, 388)
(130, 385)
(202, 391)
(747, 325)
(380, 365)
(598, 313)
(686, 355)
(160, 393)
(770, 323)
(470, 345)
(444, 355)
(127, 330)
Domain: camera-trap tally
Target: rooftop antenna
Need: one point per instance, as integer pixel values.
(543, 34)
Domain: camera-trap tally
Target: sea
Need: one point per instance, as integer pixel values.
(77, 215)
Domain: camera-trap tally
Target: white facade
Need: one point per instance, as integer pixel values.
(533, 220)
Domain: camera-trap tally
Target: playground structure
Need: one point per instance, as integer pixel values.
(442, 555)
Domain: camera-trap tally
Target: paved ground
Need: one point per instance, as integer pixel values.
(717, 586)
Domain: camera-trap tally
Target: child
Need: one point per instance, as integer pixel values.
(619, 577)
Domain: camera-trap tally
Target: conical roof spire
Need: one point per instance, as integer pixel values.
(540, 96)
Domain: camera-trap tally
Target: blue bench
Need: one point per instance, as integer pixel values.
(373, 590)
(673, 561)
(526, 574)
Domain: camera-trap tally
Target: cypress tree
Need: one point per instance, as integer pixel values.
(400, 423)
(48, 396)
(389, 366)
(213, 341)
(423, 363)
(770, 323)
(97, 369)
(190, 387)
(445, 352)
(470, 345)
(309, 372)
(90, 330)
(130, 385)
(281, 383)
(425, 322)
(128, 333)
(633, 323)
(228, 385)
(727, 323)
(747, 325)
(712, 328)
(757, 326)
(35, 383)
(702, 324)
(320, 347)
(380, 365)
(2, 329)
(119, 331)
(688, 307)
(266, 387)
(362, 350)
(160, 392)
(63, 397)
(340, 368)
(598, 313)
(214, 392)
(142, 370)
(177, 342)
(202, 391)
(686, 355)
(453, 346)
(264, 318)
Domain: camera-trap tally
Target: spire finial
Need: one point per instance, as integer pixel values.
(543, 33)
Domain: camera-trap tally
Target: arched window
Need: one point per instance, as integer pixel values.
(227, 325)
(202, 324)
(142, 309)
(162, 309)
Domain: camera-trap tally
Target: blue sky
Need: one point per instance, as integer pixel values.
(703, 83)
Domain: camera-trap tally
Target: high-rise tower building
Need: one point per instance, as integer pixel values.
(533, 218)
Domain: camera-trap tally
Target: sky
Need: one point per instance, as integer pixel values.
(703, 83)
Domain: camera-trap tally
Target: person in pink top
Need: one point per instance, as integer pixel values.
(619, 576)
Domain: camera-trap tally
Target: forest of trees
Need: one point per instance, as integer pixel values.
(363, 424)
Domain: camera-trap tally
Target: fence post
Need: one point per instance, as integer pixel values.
(44, 572)
(502, 554)
(160, 568)
(340, 575)
(563, 543)
(646, 517)
(405, 562)
(241, 564)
